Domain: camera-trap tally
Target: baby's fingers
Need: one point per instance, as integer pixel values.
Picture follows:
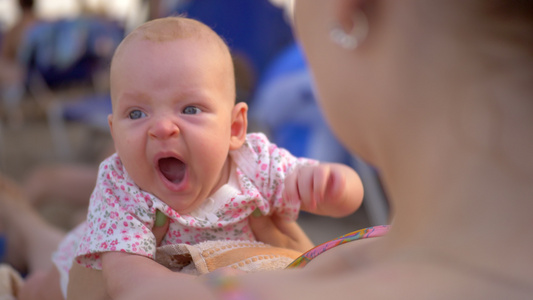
(336, 183)
(305, 187)
(290, 191)
(320, 183)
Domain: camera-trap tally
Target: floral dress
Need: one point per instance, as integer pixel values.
(121, 215)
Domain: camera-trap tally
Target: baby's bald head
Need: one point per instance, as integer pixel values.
(173, 28)
(180, 28)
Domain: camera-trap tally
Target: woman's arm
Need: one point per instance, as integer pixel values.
(121, 271)
(127, 276)
(125, 273)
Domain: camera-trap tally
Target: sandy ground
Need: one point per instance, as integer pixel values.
(30, 144)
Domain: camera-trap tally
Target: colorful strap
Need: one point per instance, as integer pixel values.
(365, 233)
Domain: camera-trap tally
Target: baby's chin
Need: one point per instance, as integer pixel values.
(183, 206)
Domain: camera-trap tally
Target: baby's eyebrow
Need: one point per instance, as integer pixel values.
(128, 99)
(136, 96)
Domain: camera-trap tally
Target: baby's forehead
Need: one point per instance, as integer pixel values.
(165, 31)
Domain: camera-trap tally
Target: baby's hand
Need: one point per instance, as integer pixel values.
(329, 189)
(315, 186)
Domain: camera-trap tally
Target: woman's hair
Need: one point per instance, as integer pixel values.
(509, 21)
(499, 34)
(508, 10)
(494, 31)
(26, 4)
(475, 21)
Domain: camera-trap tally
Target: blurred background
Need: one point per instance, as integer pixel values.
(54, 95)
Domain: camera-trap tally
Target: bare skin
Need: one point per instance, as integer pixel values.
(31, 242)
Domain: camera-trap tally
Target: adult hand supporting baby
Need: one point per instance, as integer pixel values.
(280, 233)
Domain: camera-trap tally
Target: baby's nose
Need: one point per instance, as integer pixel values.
(163, 128)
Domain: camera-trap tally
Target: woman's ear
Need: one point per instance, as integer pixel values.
(239, 125)
(347, 13)
(344, 11)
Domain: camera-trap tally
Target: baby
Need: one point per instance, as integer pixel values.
(183, 149)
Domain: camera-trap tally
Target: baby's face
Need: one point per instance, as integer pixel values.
(172, 106)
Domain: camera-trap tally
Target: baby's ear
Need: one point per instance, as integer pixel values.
(110, 122)
(239, 125)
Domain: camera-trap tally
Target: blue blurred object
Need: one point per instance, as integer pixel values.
(290, 60)
(69, 50)
(255, 28)
(70, 53)
(286, 107)
(91, 110)
(3, 247)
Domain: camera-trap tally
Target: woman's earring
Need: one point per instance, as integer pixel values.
(355, 37)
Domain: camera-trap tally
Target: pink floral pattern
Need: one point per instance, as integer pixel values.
(121, 215)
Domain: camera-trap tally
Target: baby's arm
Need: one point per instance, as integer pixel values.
(122, 271)
(328, 189)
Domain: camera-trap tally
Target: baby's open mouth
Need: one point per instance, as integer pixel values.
(172, 168)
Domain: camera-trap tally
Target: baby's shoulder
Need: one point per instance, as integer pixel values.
(112, 162)
(255, 139)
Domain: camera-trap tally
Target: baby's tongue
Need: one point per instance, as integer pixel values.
(173, 169)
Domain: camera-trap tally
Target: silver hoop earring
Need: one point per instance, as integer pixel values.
(355, 37)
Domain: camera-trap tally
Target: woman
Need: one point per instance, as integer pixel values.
(437, 94)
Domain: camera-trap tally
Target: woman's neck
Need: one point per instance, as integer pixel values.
(454, 201)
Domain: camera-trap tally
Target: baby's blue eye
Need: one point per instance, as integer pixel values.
(136, 114)
(191, 110)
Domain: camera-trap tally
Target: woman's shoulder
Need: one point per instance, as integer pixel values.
(376, 275)
(358, 270)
